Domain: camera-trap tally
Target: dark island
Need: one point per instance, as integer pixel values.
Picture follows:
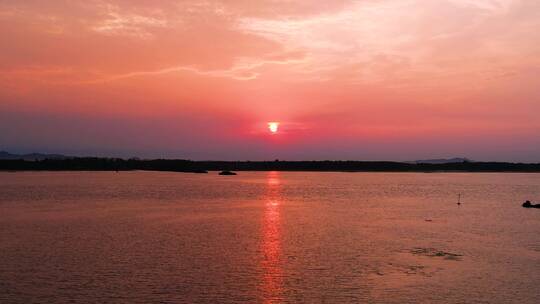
(227, 172)
(179, 165)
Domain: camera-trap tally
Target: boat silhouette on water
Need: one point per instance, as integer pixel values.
(528, 204)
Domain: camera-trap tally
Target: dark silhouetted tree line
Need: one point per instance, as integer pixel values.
(118, 164)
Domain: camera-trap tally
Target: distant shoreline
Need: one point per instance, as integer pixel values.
(189, 166)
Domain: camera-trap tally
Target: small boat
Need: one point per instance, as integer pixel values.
(226, 172)
(528, 204)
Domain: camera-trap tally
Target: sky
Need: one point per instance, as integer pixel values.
(351, 80)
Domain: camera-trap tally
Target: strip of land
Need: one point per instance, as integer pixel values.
(179, 165)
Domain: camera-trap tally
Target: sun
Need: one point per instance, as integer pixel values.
(273, 127)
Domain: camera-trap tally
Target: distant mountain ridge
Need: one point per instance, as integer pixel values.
(442, 160)
(31, 156)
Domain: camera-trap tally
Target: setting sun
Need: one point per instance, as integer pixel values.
(273, 127)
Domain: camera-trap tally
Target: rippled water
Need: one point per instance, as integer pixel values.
(268, 237)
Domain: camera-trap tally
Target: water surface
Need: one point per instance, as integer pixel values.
(268, 237)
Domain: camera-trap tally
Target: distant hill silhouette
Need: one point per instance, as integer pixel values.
(31, 156)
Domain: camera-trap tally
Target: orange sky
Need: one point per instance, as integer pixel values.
(368, 79)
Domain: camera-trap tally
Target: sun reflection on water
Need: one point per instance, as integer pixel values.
(272, 280)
